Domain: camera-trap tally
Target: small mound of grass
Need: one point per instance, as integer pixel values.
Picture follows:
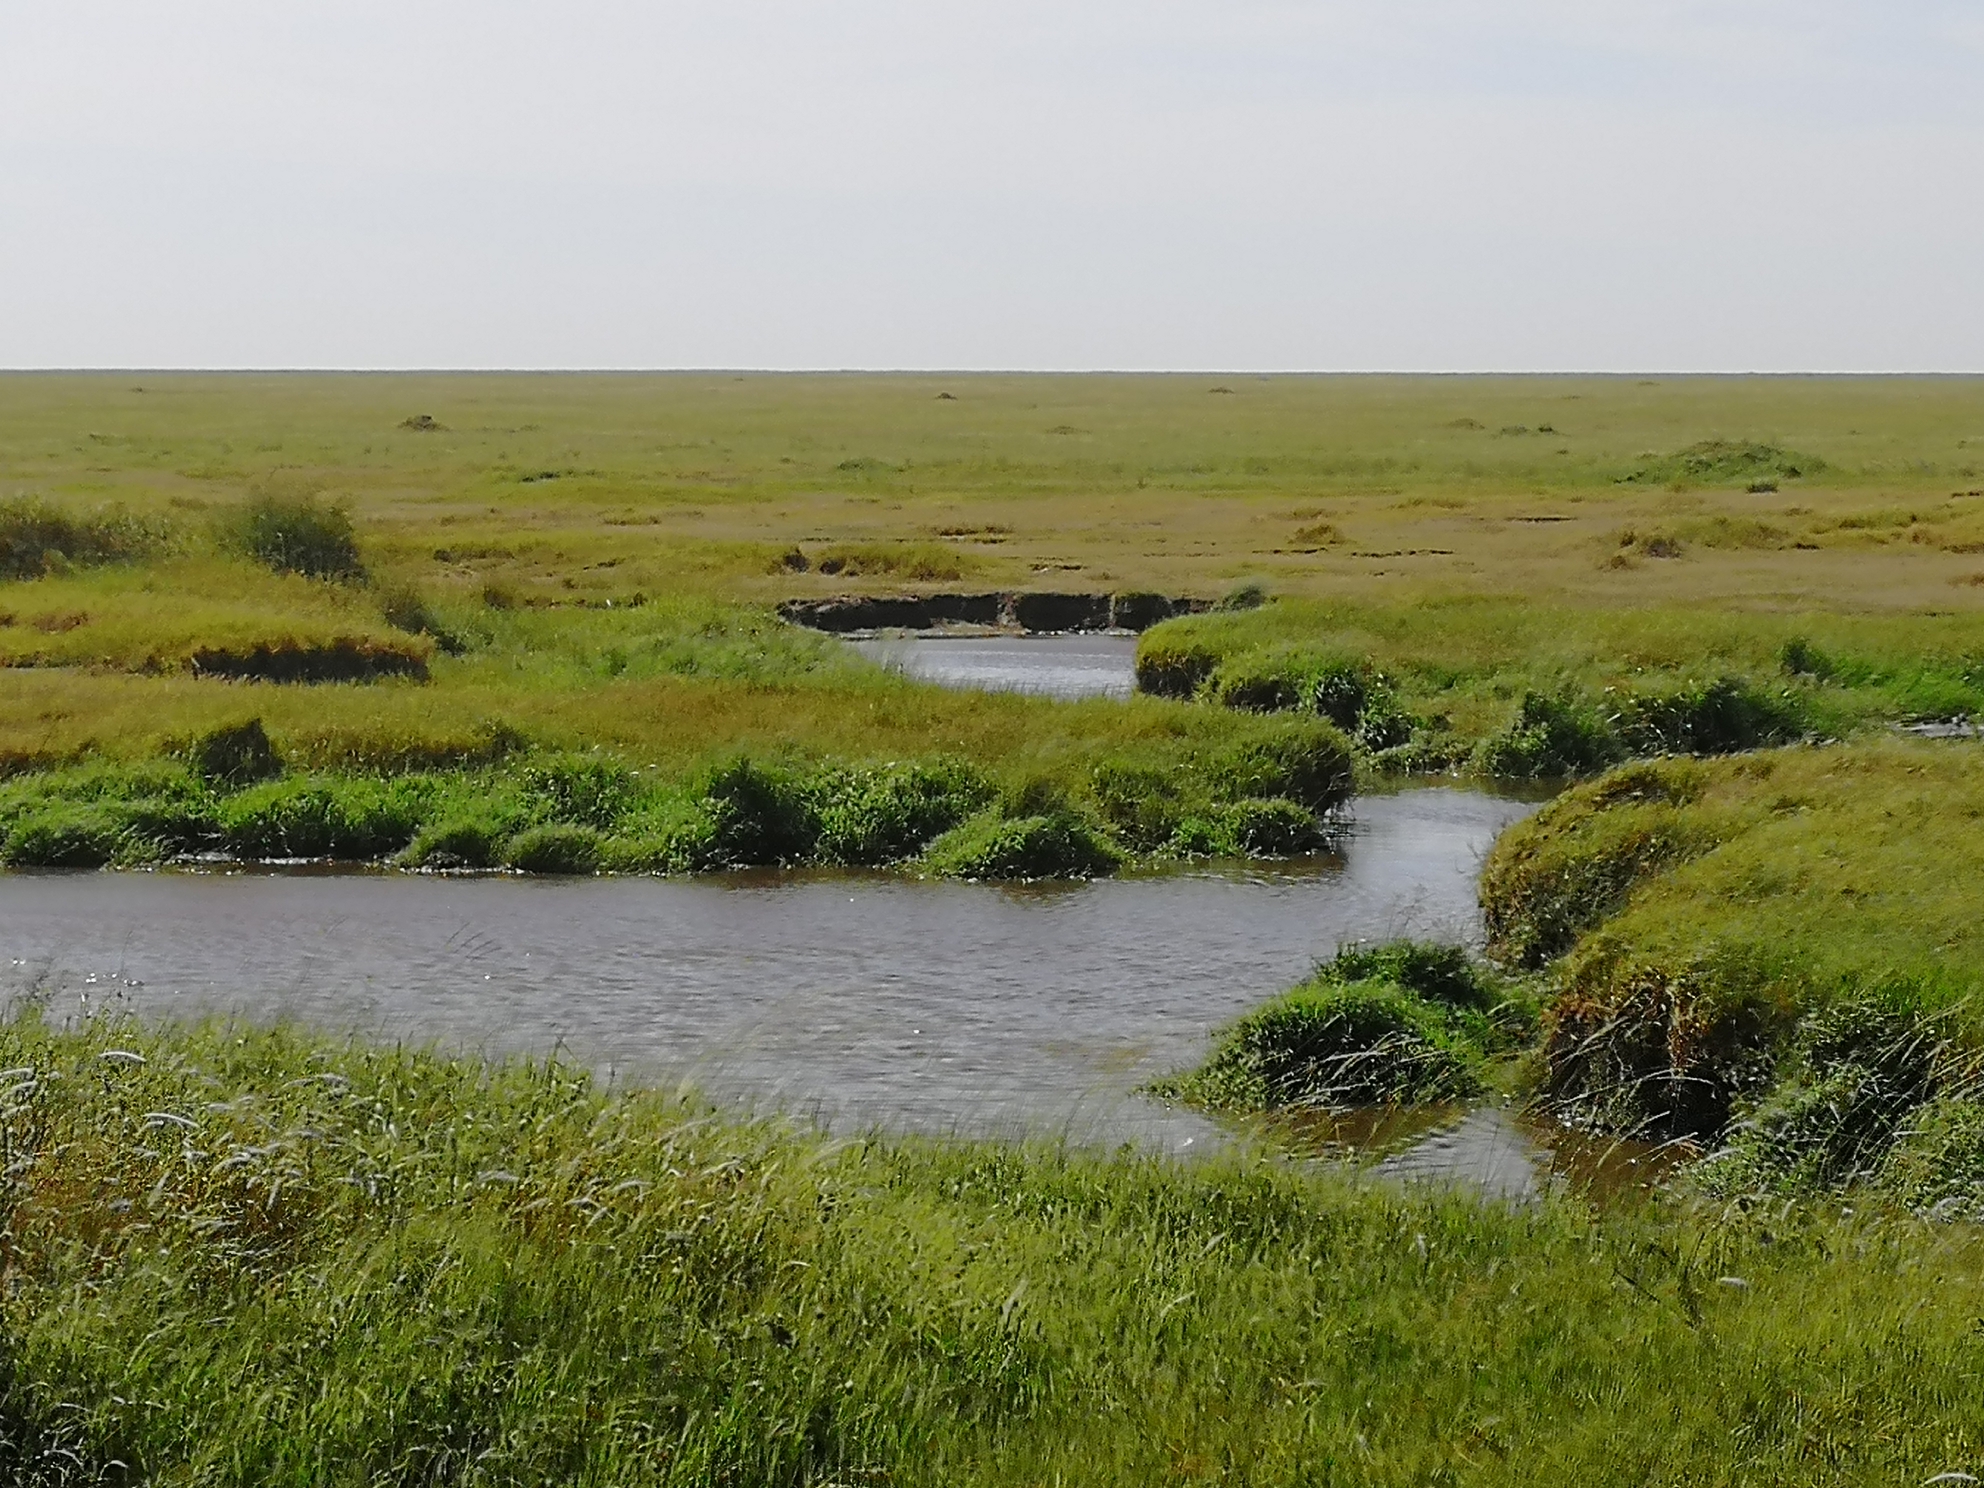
(1396, 1023)
(992, 845)
(1720, 462)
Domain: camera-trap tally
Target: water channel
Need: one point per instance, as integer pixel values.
(863, 1001)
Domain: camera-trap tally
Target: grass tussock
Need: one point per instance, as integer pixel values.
(1392, 1024)
(262, 1258)
(1715, 462)
(296, 533)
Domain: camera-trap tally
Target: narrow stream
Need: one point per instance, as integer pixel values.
(862, 1000)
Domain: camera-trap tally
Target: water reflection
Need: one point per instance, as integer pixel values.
(1064, 666)
(1495, 1150)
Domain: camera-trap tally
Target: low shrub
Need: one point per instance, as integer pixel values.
(871, 817)
(235, 755)
(1252, 828)
(1937, 1161)
(1398, 1022)
(1858, 1071)
(587, 790)
(1173, 666)
(352, 818)
(69, 835)
(993, 845)
(459, 842)
(759, 815)
(295, 534)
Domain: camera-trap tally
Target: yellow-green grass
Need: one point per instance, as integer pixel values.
(1138, 482)
(1703, 910)
(265, 1258)
(167, 617)
(1459, 666)
(1508, 529)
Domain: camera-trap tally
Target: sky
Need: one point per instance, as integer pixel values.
(1337, 185)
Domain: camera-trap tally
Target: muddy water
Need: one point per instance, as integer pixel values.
(862, 1001)
(1066, 666)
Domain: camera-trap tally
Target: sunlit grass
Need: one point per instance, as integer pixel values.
(264, 1258)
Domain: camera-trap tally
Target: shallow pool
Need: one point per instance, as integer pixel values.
(1066, 666)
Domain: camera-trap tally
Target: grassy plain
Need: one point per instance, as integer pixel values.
(1558, 499)
(261, 1258)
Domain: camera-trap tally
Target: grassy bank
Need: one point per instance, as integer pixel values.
(1525, 688)
(1263, 790)
(1780, 952)
(260, 1258)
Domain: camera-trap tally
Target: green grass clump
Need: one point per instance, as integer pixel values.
(300, 534)
(242, 1257)
(1726, 462)
(1054, 844)
(1397, 1023)
(38, 537)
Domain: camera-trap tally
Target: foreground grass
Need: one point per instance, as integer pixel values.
(240, 1257)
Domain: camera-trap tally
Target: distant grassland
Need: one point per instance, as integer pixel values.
(591, 559)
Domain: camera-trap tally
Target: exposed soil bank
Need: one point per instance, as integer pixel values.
(1034, 613)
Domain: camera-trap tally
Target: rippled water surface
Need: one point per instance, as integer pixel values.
(866, 1000)
(1064, 666)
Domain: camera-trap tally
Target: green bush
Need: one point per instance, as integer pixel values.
(1333, 1045)
(351, 818)
(1552, 738)
(1859, 1070)
(1397, 1022)
(1301, 760)
(868, 817)
(65, 836)
(1254, 828)
(295, 534)
(1937, 1161)
(995, 846)
(1172, 666)
(1719, 717)
(236, 755)
(459, 842)
(557, 847)
(759, 816)
(586, 790)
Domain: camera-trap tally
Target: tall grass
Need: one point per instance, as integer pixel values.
(240, 1257)
(39, 537)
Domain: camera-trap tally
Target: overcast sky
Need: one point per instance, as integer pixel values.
(1337, 184)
